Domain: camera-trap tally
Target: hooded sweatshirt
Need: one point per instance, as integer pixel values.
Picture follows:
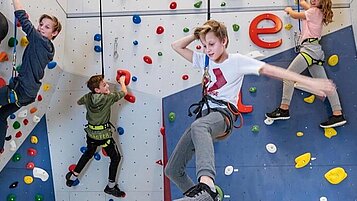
(98, 112)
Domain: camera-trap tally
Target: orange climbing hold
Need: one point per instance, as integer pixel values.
(3, 57)
(33, 110)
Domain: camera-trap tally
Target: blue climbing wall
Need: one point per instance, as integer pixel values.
(16, 171)
(260, 175)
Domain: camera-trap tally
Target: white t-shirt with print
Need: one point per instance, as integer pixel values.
(227, 77)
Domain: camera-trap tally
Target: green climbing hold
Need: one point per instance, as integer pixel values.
(172, 116)
(11, 197)
(18, 67)
(253, 89)
(255, 129)
(16, 125)
(235, 27)
(223, 4)
(198, 4)
(159, 54)
(12, 41)
(38, 197)
(186, 29)
(16, 157)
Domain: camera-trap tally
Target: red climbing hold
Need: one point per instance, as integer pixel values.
(30, 165)
(162, 130)
(185, 77)
(147, 59)
(173, 5)
(160, 30)
(18, 134)
(130, 98)
(124, 73)
(39, 97)
(31, 152)
(159, 162)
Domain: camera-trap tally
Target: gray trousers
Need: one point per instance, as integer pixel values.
(299, 64)
(197, 139)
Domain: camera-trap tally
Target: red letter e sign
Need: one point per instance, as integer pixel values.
(254, 31)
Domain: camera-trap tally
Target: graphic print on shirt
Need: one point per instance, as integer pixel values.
(220, 81)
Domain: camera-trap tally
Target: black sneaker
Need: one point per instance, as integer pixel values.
(69, 182)
(333, 121)
(200, 192)
(278, 114)
(115, 191)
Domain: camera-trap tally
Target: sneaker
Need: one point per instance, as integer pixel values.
(200, 192)
(278, 114)
(333, 121)
(115, 191)
(69, 182)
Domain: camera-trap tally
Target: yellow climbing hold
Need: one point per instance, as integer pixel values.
(336, 175)
(34, 139)
(288, 26)
(330, 132)
(299, 134)
(24, 42)
(302, 160)
(333, 60)
(28, 179)
(310, 99)
(46, 87)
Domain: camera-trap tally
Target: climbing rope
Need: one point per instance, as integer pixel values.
(101, 34)
(14, 72)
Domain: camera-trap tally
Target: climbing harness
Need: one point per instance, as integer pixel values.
(94, 131)
(308, 58)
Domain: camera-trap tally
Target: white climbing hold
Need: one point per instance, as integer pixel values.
(22, 113)
(36, 119)
(271, 148)
(40, 173)
(13, 146)
(228, 170)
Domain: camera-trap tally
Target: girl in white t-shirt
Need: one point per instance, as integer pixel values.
(221, 83)
(311, 56)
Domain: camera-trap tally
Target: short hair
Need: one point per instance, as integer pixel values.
(218, 28)
(57, 25)
(94, 82)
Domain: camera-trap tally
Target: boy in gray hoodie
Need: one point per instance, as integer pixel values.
(98, 103)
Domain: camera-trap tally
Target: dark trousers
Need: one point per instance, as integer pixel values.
(112, 151)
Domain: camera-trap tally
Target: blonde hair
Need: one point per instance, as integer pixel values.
(326, 9)
(56, 23)
(218, 28)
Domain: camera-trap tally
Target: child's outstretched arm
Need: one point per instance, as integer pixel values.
(122, 84)
(319, 87)
(180, 46)
(17, 5)
(294, 14)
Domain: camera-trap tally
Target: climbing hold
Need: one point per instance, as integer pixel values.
(104, 152)
(136, 19)
(38, 197)
(330, 132)
(16, 157)
(30, 165)
(186, 29)
(16, 125)
(36, 119)
(323, 198)
(97, 156)
(235, 27)
(198, 4)
(46, 87)
(83, 149)
(34, 139)
(198, 47)
(125, 73)
(299, 134)
(333, 60)
(130, 98)
(25, 121)
(147, 59)
(2, 82)
(336, 175)
(135, 42)
(302, 160)
(310, 99)
(162, 131)
(28, 179)
(185, 77)
(33, 110)
(11, 197)
(228, 170)
(223, 4)
(172, 116)
(14, 185)
(252, 89)
(12, 42)
(39, 97)
(3, 57)
(24, 42)
(40, 173)
(72, 167)
(12, 116)
(31, 152)
(97, 48)
(13, 145)
(97, 37)
(160, 30)
(159, 162)
(288, 26)
(120, 130)
(18, 134)
(159, 54)
(271, 148)
(134, 79)
(51, 65)
(255, 128)
(173, 5)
